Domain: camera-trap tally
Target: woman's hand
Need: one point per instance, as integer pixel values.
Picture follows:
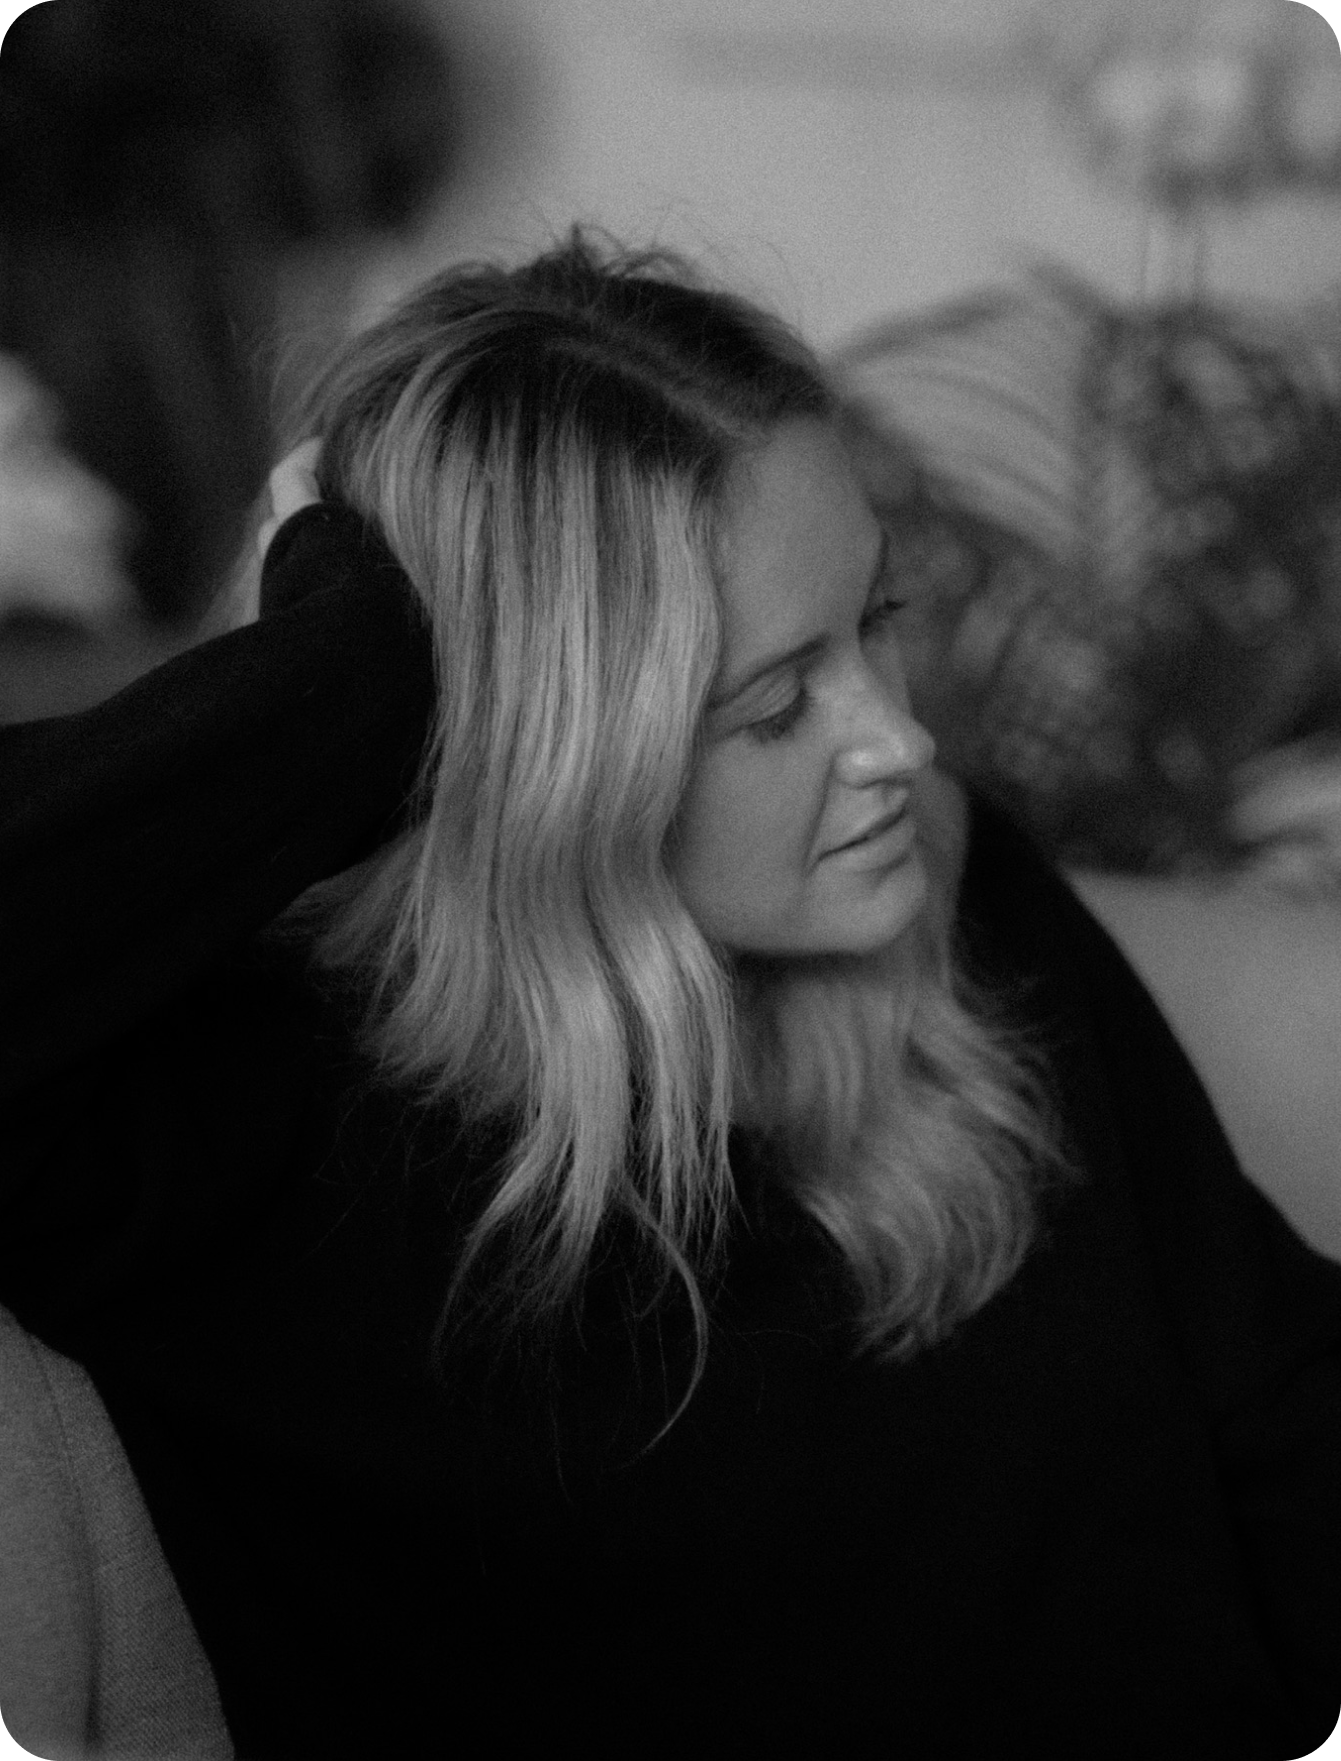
(293, 485)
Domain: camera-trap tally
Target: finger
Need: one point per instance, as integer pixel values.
(264, 533)
(292, 485)
(293, 482)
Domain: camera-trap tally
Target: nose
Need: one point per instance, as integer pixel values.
(884, 742)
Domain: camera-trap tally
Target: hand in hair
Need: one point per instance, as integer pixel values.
(293, 485)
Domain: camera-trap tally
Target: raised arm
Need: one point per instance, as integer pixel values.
(142, 840)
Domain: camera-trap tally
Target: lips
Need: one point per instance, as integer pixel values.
(873, 829)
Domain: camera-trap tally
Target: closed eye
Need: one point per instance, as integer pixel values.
(777, 727)
(875, 619)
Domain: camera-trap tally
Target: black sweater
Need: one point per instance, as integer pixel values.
(1103, 1519)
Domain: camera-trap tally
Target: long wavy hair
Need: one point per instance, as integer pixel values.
(546, 451)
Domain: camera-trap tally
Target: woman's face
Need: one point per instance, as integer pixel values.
(797, 836)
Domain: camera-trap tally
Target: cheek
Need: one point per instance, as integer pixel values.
(745, 831)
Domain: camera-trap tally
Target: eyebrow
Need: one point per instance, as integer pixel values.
(804, 651)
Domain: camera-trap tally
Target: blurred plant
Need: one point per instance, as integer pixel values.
(1120, 536)
(1120, 525)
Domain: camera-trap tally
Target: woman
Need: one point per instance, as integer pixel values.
(597, 1272)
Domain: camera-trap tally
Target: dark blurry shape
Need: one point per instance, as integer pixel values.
(157, 161)
(1120, 533)
(276, 120)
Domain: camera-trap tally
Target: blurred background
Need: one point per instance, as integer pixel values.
(859, 158)
(1075, 264)
(845, 164)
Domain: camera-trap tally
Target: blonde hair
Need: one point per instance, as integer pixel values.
(546, 450)
(910, 1114)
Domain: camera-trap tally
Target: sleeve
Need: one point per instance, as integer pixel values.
(147, 838)
(1253, 1313)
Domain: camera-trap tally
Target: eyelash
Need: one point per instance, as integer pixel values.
(777, 727)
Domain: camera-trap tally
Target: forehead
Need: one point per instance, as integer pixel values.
(799, 538)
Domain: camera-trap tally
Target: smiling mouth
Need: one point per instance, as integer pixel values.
(877, 827)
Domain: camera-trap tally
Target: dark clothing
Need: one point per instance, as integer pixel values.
(1103, 1519)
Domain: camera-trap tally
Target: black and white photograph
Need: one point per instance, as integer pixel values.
(670, 880)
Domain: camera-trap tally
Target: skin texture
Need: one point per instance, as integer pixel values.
(817, 749)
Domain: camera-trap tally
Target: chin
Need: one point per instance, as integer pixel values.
(855, 922)
(893, 908)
